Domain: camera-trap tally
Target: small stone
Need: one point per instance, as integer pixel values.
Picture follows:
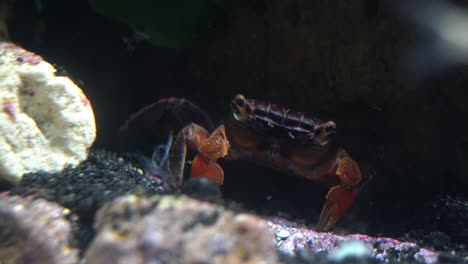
(202, 188)
(350, 248)
(283, 234)
(46, 122)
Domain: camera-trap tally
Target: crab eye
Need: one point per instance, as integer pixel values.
(240, 101)
(240, 105)
(330, 127)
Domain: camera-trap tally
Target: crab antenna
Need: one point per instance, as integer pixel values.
(161, 153)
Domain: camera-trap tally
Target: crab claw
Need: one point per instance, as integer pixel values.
(202, 167)
(214, 147)
(340, 197)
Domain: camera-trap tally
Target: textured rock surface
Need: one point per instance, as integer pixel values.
(292, 239)
(46, 122)
(167, 229)
(84, 189)
(34, 231)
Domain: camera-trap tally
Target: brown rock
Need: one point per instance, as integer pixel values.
(168, 229)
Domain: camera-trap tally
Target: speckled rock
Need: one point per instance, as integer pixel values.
(168, 229)
(292, 239)
(46, 122)
(34, 231)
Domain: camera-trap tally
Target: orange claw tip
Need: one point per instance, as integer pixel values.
(339, 199)
(208, 169)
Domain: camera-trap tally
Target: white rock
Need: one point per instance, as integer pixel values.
(283, 234)
(46, 122)
(350, 248)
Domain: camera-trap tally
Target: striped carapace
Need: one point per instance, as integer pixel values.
(264, 116)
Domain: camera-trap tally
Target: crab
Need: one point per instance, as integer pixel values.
(270, 134)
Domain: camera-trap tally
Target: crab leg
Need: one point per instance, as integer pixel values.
(339, 198)
(193, 135)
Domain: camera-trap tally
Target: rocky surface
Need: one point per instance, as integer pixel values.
(177, 229)
(34, 231)
(291, 239)
(168, 229)
(86, 188)
(46, 122)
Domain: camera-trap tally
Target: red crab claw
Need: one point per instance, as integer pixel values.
(214, 147)
(339, 198)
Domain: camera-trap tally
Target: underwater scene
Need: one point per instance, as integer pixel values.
(235, 131)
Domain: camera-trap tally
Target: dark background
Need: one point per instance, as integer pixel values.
(340, 60)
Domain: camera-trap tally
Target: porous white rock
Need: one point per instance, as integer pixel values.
(46, 122)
